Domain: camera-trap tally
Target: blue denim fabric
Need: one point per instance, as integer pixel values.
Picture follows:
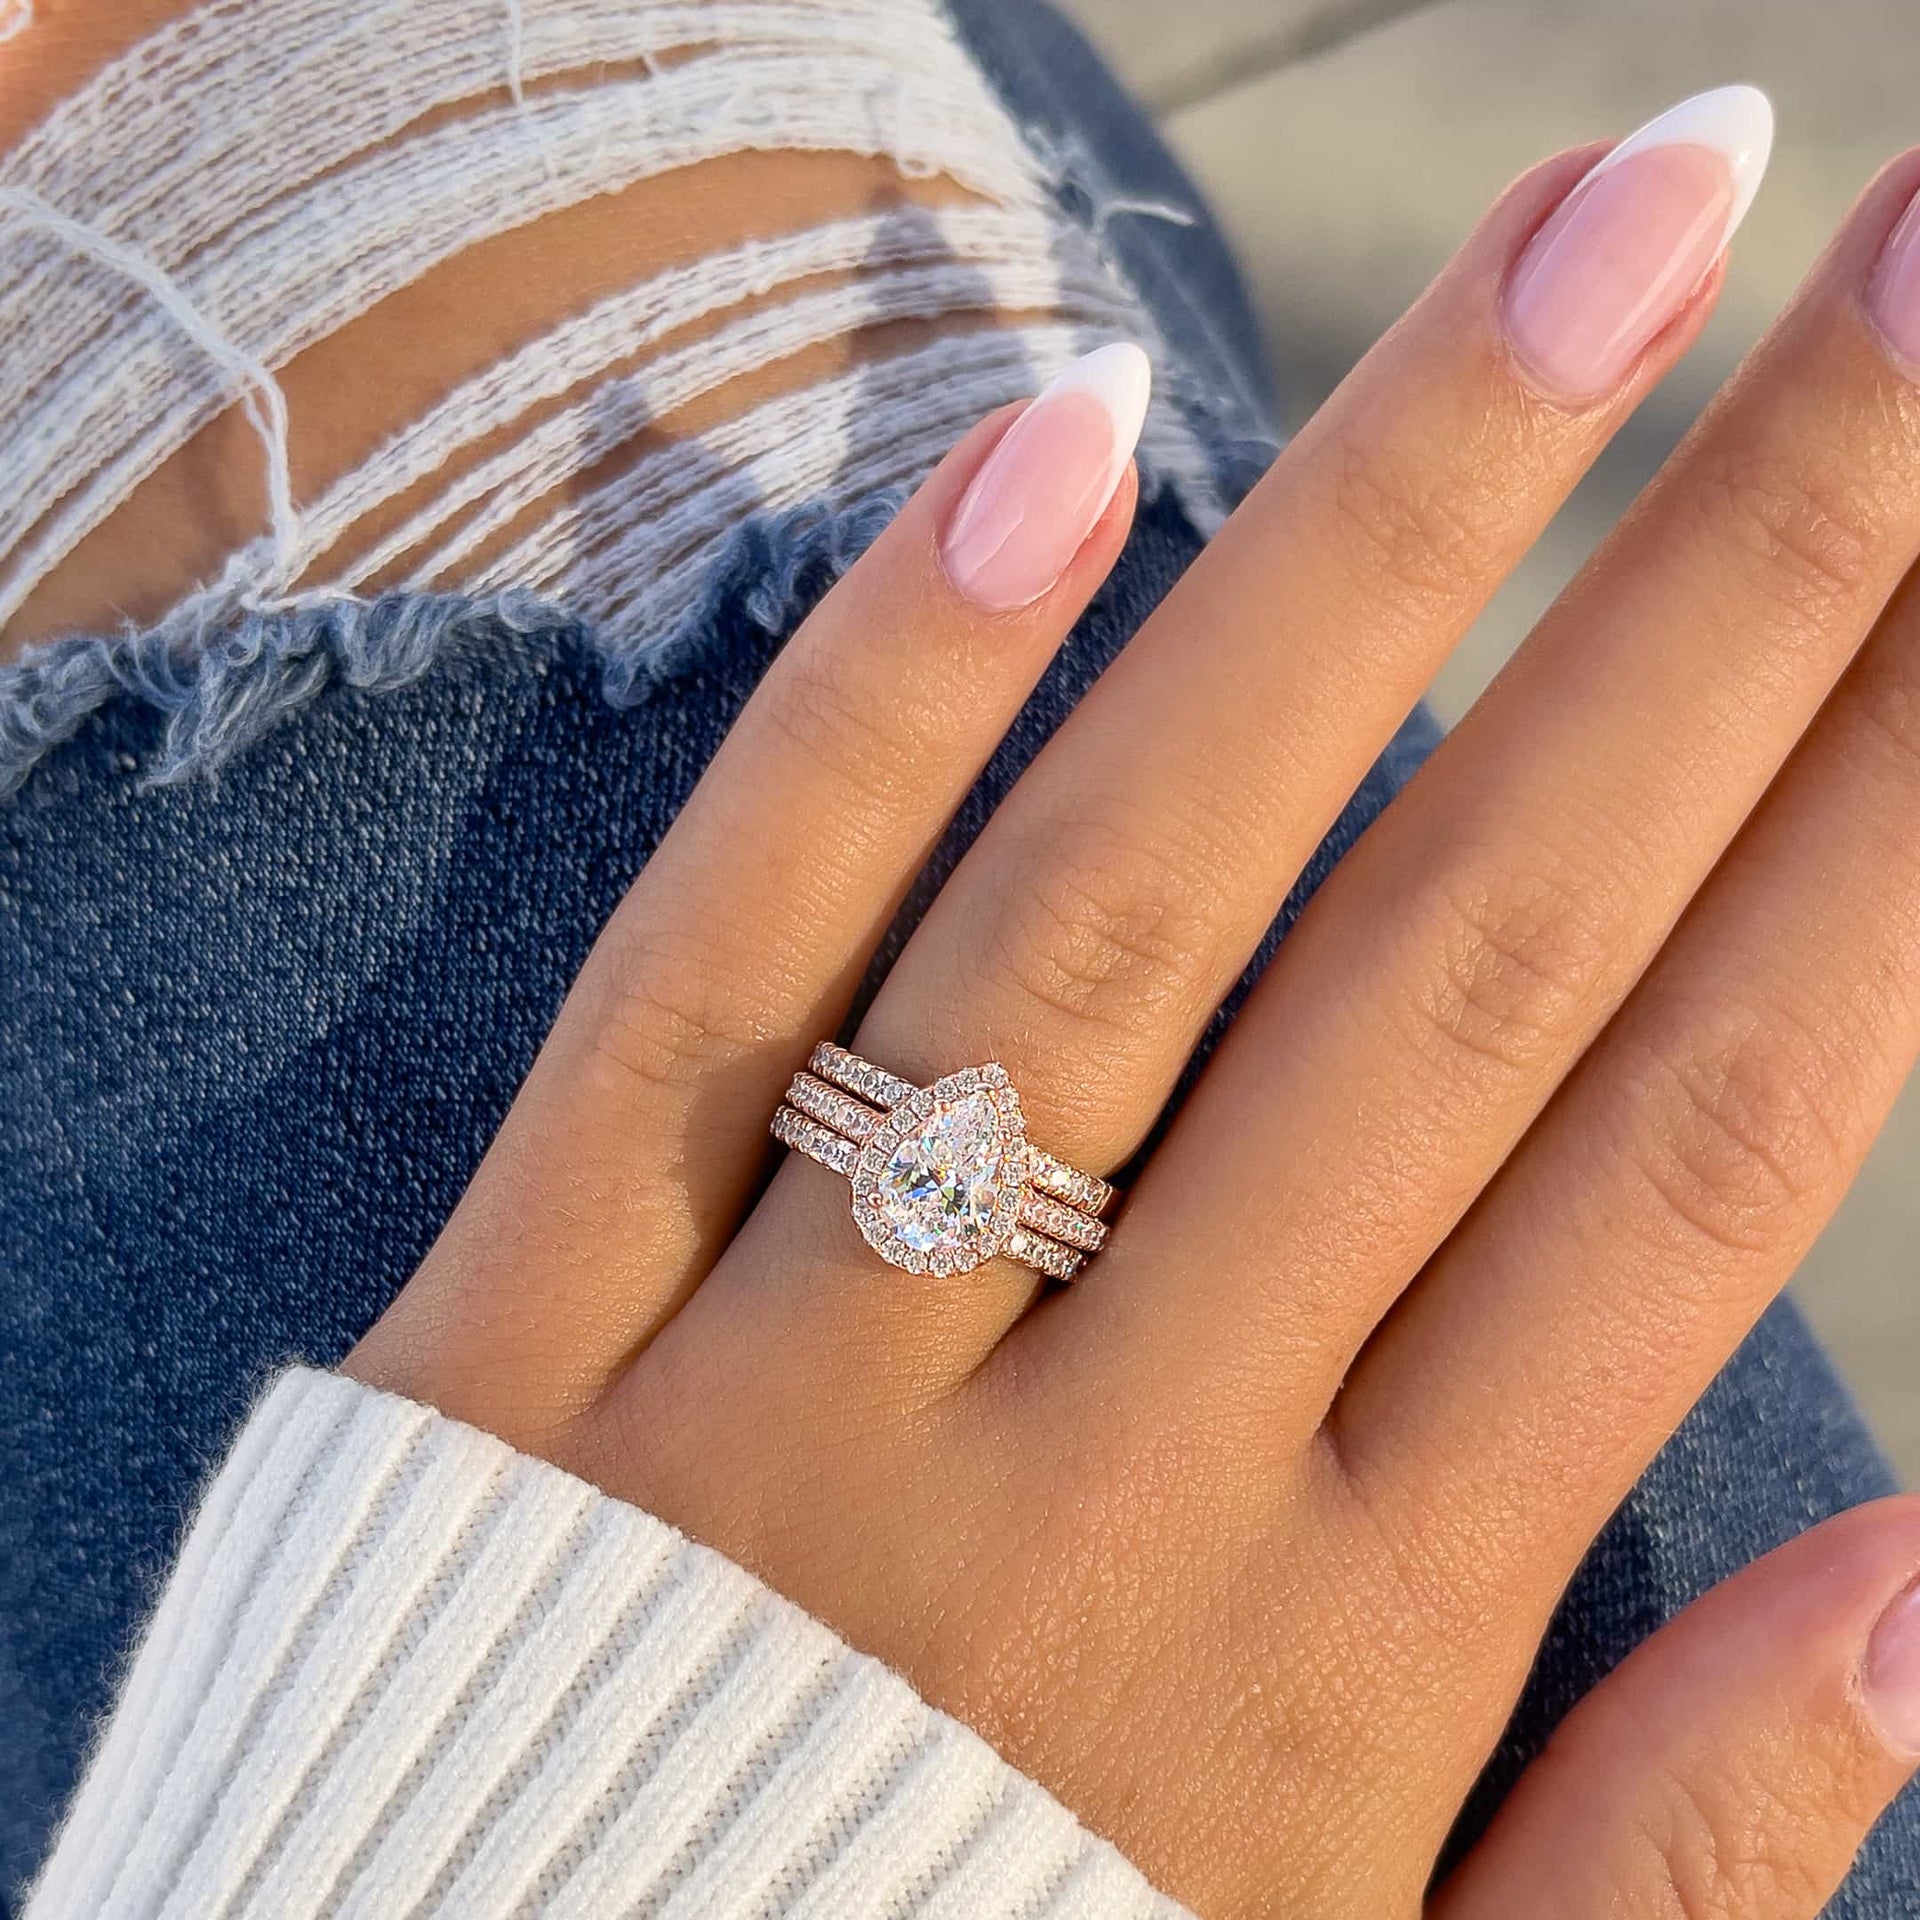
(259, 1027)
(1113, 170)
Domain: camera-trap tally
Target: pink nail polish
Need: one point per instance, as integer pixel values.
(1890, 1678)
(1893, 298)
(1624, 252)
(1043, 489)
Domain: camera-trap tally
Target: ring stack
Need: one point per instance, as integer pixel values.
(944, 1177)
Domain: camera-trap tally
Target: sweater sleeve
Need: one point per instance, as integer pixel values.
(400, 1669)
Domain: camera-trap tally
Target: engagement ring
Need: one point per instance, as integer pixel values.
(944, 1177)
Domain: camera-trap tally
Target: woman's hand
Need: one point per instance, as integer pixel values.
(1243, 1545)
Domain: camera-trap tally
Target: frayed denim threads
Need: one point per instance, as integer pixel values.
(221, 687)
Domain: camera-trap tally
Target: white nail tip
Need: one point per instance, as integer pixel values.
(1120, 377)
(1736, 122)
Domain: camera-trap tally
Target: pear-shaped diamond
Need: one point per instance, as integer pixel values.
(941, 1184)
(937, 1186)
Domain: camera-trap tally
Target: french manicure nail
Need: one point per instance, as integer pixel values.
(1890, 1678)
(1626, 249)
(1893, 298)
(1043, 489)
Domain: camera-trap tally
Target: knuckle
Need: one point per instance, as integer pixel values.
(1408, 523)
(1738, 1134)
(662, 1016)
(1520, 958)
(1804, 537)
(836, 719)
(1109, 933)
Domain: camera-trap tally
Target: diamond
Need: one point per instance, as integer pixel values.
(1058, 1221)
(1077, 1189)
(937, 1186)
(941, 1185)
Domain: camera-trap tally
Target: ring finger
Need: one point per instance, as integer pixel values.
(635, 1142)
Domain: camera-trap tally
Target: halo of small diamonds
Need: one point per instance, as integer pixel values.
(960, 1101)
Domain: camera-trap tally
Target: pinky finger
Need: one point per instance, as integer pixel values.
(1734, 1764)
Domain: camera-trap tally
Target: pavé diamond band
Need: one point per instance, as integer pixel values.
(944, 1177)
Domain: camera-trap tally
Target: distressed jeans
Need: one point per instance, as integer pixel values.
(259, 1026)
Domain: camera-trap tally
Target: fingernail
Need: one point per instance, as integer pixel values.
(1626, 249)
(1890, 1678)
(1044, 487)
(1893, 300)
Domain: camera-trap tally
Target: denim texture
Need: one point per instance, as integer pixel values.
(264, 1025)
(261, 1022)
(1113, 170)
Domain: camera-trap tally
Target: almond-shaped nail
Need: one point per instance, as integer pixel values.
(1044, 487)
(1890, 1678)
(1893, 295)
(1625, 250)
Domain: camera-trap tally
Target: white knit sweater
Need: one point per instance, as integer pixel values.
(401, 1670)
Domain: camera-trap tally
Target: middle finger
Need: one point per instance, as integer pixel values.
(1450, 974)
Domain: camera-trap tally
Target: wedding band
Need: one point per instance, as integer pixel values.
(944, 1177)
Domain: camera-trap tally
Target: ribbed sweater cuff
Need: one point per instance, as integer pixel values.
(402, 1670)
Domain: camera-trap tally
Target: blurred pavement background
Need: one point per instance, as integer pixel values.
(1348, 145)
